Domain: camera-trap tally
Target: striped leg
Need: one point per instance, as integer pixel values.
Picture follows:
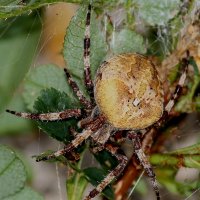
(96, 124)
(67, 149)
(144, 161)
(176, 94)
(77, 91)
(48, 116)
(123, 160)
(178, 90)
(86, 56)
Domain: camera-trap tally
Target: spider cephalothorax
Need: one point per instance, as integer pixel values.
(129, 97)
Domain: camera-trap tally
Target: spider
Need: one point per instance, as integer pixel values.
(126, 96)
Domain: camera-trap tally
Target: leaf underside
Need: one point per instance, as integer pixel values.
(13, 177)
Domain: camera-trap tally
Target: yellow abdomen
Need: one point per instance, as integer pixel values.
(128, 92)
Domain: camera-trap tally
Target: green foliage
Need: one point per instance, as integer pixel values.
(13, 177)
(26, 193)
(106, 160)
(43, 77)
(76, 185)
(18, 43)
(15, 124)
(10, 8)
(187, 157)
(17, 7)
(190, 150)
(157, 12)
(16, 52)
(73, 46)
(166, 178)
(52, 100)
(169, 163)
(11, 168)
(174, 73)
(127, 41)
(95, 175)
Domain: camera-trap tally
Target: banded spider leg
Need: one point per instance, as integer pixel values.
(122, 162)
(95, 125)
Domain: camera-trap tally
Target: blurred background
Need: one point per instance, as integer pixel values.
(27, 42)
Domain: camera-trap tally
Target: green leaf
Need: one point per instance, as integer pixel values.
(174, 73)
(52, 100)
(73, 46)
(18, 43)
(11, 8)
(25, 194)
(197, 103)
(192, 161)
(127, 41)
(157, 12)
(76, 185)
(12, 173)
(106, 160)
(43, 77)
(187, 157)
(95, 176)
(13, 177)
(10, 124)
(176, 24)
(166, 176)
(193, 149)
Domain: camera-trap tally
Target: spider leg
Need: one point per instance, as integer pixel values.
(96, 124)
(84, 122)
(144, 161)
(119, 137)
(54, 116)
(178, 89)
(77, 91)
(68, 148)
(86, 56)
(123, 160)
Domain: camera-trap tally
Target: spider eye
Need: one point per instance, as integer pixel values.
(127, 80)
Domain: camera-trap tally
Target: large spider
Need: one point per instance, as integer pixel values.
(126, 96)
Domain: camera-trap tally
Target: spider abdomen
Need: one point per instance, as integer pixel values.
(128, 92)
